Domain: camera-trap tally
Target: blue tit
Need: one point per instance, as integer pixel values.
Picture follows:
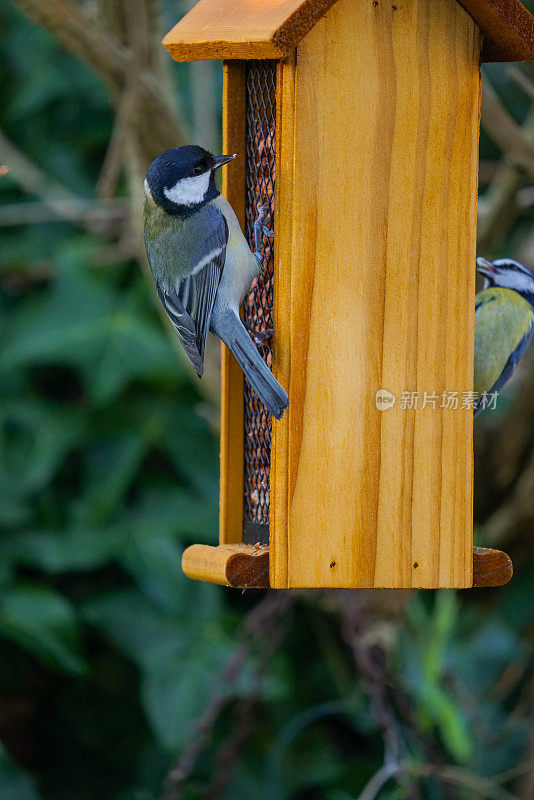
(201, 262)
(504, 319)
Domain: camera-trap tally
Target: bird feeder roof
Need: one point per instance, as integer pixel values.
(250, 29)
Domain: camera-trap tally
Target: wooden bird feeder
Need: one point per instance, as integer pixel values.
(357, 122)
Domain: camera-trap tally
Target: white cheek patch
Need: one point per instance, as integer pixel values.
(189, 191)
(517, 281)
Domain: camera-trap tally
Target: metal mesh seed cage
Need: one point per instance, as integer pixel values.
(258, 306)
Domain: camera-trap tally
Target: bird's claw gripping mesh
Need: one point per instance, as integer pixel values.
(258, 305)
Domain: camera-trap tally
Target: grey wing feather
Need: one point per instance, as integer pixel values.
(183, 325)
(189, 303)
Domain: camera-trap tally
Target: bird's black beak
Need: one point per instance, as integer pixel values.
(485, 267)
(220, 160)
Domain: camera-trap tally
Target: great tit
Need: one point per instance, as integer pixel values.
(504, 320)
(201, 262)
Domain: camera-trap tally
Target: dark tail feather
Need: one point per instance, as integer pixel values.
(233, 333)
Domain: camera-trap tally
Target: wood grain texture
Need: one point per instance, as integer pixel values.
(247, 566)
(491, 567)
(236, 29)
(232, 403)
(238, 565)
(282, 310)
(376, 290)
(243, 28)
(507, 27)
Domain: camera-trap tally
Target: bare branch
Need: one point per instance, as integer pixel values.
(498, 206)
(76, 30)
(261, 625)
(486, 787)
(522, 80)
(111, 168)
(31, 177)
(102, 215)
(57, 202)
(505, 131)
(378, 780)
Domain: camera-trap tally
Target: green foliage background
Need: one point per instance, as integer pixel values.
(109, 468)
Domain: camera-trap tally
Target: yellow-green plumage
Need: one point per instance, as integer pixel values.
(503, 326)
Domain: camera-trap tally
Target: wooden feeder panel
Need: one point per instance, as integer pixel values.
(363, 140)
(232, 29)
(375, 241)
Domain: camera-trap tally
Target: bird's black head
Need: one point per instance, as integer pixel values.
(182, 180)
(507, 274)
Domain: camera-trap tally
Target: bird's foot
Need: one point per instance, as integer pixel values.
(260, 337)
(261, 230)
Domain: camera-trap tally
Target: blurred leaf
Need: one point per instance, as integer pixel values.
(42, 622)
(153, 561)
(284, 772)
(34, 441)
(194, 452)
(442, 624)
(174, 512)
(142, 632)
(82, 322)
(110, 468)
(76, 548)
(14, 783)
(425, 657)
(436, 706)
(180, 657)
(176, 692)
(489, 651)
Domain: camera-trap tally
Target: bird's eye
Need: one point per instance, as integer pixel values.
(198, 170)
